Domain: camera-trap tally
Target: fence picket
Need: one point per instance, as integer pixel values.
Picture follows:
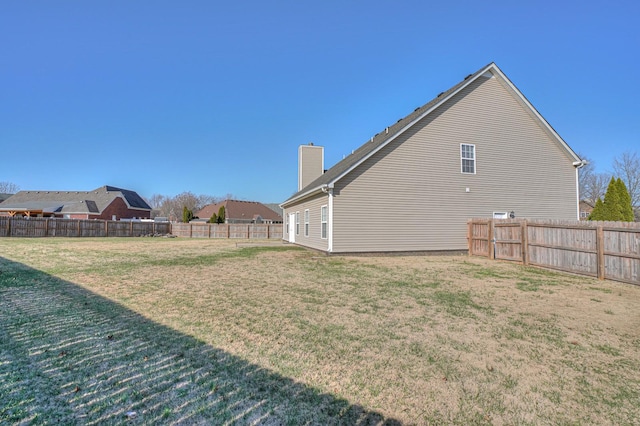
(54, 227)
(607, 250)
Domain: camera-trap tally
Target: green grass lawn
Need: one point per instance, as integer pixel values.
(184, 331)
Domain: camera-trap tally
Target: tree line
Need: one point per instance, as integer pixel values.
(594, 187)
(182, 207)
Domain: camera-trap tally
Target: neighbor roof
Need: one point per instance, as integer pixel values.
(390, 133)
(235, 209)
(131, 197)
(70, 202)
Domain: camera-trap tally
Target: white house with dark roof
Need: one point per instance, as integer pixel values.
(479, 149)
(106, 202)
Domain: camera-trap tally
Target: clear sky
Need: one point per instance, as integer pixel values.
(213, 97)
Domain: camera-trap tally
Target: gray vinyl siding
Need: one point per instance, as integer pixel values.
(411, 195)
(310, 161)
(314, 239)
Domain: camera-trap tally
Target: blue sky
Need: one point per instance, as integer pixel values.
(163, 97)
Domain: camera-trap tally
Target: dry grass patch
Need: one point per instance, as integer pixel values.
(418, 340)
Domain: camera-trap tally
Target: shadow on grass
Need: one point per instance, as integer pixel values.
(70, 356)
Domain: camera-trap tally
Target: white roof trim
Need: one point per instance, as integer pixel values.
(308, 193)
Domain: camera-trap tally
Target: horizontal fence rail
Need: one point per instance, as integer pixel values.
(54, 227)
(606, 250)
(227, 230)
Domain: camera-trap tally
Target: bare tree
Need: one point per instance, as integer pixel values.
(172, 207)
(187, 199)
(592, 185)
(8, 188)
(204, 200)
(156, 201)
(627, 167)
(596, 186)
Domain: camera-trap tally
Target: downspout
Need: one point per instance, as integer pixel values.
(328, 189)
(578, 165)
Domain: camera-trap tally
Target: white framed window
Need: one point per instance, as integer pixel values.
(323, 222)
(297, 223)
(500, 215)
(306, 223)
(286, 223)
(468, 158)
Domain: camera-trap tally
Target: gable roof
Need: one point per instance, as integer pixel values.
(245, 210)
(131, 197)
(72, 202)
(380, 140)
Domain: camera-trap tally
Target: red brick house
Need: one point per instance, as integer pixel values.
(106, 202)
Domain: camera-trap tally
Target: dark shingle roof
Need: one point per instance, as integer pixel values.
(72, 201)
(132, 197)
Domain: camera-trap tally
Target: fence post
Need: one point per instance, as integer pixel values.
(78, 227)
(9, 226)
(470, 236)
(600, 251)
(492, 243)
(248, 232)
(228, 229)
(525, 242)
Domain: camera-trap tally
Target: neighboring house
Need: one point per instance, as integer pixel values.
(586, 207)
(276, 208)
(4, 197)
(480, 149)
(240, 212)
(106, 202)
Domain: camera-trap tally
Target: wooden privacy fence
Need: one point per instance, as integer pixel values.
(606, 250)
(50, 227)
(227, 230)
